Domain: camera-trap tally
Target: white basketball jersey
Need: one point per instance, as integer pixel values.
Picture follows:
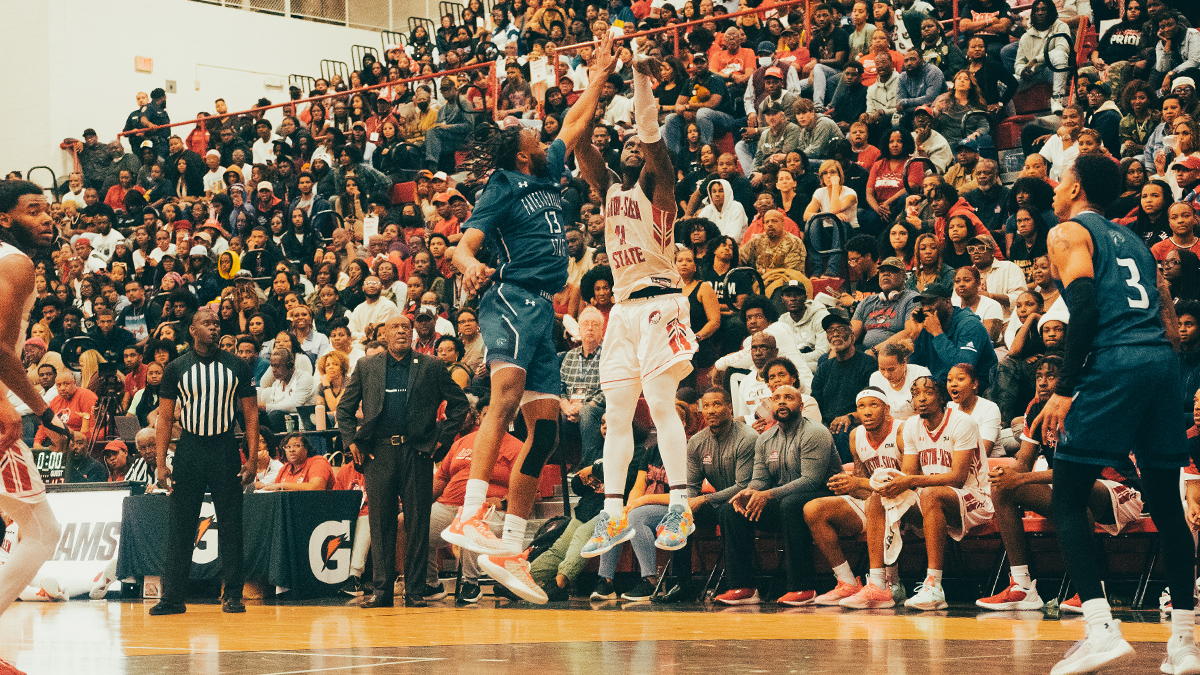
(7, 250)
(957, 432)
(884, 456)
(640, 240)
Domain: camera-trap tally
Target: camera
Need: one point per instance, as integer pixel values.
(919, 315)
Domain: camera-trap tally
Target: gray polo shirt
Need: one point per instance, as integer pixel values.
(727, 462)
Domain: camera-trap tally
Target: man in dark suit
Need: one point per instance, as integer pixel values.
(396, 445)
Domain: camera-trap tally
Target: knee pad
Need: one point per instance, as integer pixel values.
(545, 439)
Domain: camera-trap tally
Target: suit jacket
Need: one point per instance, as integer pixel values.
(429, 384)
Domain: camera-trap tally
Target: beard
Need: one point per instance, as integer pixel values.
(372, 295)
(20, 237)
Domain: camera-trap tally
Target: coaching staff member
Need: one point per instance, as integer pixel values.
(207, 384)
(397, 444)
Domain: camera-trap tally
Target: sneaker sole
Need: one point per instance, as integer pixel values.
(635, 598)
(927, 607)
(461, 541)
(735, 603)
(830, 602)
(873, 605)
(435, 597)
(353, 594)
(1092, 663)
(597, 596)
(502, 577)
(671, 546)
(1010, 606)
(797, 603)
(461, 599)
(1176, 670)
(597, 552)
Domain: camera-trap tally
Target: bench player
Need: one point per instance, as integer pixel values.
(1120, 391)
(943, 463)
(648, 344)
(520, 214)
(875, 444)
(1018, 488)
(25, 226)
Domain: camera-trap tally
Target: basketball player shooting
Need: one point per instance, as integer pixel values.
(520, 214)
(25, 226)
(648, 344)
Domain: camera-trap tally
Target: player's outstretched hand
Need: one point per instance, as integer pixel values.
(604, 59)
(1050, 420)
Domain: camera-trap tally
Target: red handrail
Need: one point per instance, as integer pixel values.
(674, 28)
(347, 93)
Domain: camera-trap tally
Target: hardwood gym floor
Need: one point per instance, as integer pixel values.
(501, 638)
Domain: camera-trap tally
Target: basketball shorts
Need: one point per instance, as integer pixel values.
(974, 507)
(645, 337)
(859, 506)
(19, 477)
(1126, 503)
(1129, 399)
(518, 328)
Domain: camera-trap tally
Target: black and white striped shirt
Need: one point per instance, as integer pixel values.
(208, 391)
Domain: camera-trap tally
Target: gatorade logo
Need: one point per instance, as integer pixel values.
(205, 550)
(329, 551)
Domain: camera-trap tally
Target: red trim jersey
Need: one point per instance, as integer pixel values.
(936, 447)
(640, 240)
(885, 455)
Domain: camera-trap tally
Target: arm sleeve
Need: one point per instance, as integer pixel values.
(761, 476)
(1080, 297)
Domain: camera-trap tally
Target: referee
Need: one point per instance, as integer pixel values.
(206, 383)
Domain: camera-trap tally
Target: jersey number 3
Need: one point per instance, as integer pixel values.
(1135, 281)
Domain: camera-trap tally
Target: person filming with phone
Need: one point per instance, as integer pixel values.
(944, 336)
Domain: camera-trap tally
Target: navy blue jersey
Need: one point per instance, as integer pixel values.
(522, 218)
(1126, 286)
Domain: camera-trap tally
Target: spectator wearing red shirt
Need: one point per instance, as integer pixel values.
(115, 197)
(135, 380)
(449, 489)
(69, 406)
(1181, 218)
(301, 471)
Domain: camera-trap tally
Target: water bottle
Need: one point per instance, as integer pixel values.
(320, 416)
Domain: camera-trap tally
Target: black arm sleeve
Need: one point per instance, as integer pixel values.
(1080, 297)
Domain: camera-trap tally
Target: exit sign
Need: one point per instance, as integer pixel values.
(143, 64)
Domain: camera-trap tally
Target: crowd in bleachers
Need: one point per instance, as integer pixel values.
(836, 173)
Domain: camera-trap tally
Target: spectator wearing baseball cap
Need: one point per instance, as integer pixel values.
(944, 336)
(841, 374)
(881, 315)
(772, 79)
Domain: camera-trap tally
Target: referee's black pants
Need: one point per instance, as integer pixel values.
(213, 464)
(399, 473)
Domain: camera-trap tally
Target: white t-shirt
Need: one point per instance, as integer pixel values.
(987, 415)
(987, 310)
(212, 180)
(900, 401)
(849, 213)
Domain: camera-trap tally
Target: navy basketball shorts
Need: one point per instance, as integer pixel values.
(1129, 399)
(518, 328)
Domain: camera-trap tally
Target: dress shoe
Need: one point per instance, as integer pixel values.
(676, 593)
(164, 608)
(415, 602)
(376, 600)
(233, 606)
